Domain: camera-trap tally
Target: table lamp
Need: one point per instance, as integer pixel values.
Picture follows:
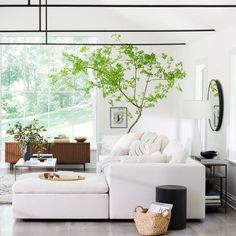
(196, 110)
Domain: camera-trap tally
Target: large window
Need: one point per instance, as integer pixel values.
(26, 91)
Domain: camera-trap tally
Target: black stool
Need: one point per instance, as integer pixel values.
(176, 195)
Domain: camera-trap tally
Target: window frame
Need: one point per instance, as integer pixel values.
(201, 94)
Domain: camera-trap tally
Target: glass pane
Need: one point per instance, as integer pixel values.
(12, 77)
(12, 111)
(27, 92)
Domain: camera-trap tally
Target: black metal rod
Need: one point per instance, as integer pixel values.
(28, 2)
(97, 44)
(126, 5)
(40, 16)
(110, 31)
(46, 22)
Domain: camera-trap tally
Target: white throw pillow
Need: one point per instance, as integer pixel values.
(122, 145)
(147, 135)
(149, 143)
(138, 148)
(180, 156)
(108, 141)
(164, 142)
(175, 152)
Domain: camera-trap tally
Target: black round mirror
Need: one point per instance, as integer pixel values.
(215, 97)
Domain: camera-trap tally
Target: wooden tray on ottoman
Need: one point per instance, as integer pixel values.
(50, 176)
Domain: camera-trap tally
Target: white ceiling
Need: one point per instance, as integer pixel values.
(126, 18)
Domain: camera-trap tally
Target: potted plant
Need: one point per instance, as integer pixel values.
(29, 136)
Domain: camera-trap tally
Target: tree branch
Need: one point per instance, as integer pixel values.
(157, 80)
(135, 81)
(126, 96)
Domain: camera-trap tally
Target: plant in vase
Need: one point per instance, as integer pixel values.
(29, 136)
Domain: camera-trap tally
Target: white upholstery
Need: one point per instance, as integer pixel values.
(34, 198)
(121, 147)
(60, 206)
(102, 157)
(134, 184)
(93, 183)
(108, 142)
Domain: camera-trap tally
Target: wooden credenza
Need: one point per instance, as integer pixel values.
(66, 153)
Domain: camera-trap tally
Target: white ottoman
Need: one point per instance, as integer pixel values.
(34, 198)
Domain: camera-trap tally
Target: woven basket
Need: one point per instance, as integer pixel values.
(151, 223)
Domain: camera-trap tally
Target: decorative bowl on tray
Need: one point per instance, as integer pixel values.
(80, 139)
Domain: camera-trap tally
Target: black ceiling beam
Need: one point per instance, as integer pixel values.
(126, 5)
(110, 31)
(97, 44)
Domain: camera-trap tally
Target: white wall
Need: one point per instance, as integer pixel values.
(216, 51)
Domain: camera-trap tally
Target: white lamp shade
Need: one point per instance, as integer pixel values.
(196, 109)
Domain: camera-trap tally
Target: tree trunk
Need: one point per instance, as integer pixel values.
(135, 122)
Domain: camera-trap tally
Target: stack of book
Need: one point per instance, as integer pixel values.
(212, 198)
(61, 138)
(206, 160)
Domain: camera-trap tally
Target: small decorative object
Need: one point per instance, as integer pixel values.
(57, 177)
(209, 154)
(42, 159)
(118, 117)
(80, 139)
(29, 136)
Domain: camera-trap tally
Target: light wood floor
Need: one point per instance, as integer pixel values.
(215, 224)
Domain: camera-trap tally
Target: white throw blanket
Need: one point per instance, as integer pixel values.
(154, 158)
(106, 162)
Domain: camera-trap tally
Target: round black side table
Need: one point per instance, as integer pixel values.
(176, 195)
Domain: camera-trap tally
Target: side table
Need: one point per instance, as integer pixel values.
(177, 196)
(218, 197)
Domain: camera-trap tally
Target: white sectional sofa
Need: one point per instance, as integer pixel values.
(113, 193)
(132, 184)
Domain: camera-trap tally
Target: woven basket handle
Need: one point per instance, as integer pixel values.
(165, 212)
(142, 208)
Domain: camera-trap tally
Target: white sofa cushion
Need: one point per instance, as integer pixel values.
(175, 152)
(122, 145)
(108, 141)
(154, 158)
(93, 183)
(180, 156)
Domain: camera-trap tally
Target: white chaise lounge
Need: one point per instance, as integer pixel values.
(34, 198)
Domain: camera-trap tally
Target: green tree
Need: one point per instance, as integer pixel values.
(123, 73)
